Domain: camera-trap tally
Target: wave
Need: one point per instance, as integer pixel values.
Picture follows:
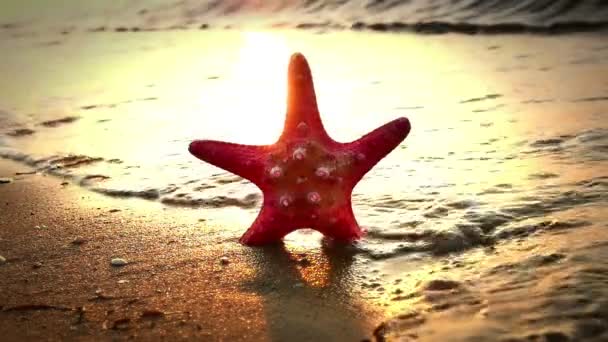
(467, 28)
(419, 16)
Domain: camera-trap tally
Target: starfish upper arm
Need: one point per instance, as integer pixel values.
(375, 145)
(243, 160)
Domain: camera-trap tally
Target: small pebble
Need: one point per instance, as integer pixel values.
(78, 241)
(123, 281)
(298, 285)
(224, 260)
(118, 262)
(6, 180)
(2, 260)
(37, 264)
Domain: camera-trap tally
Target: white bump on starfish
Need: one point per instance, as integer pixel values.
(276, 172)
(301, 180)
(302, 128)
(285, 201)
(314, 197)
(322, 172)
(360, 156)
(314, 216)
(299, 153)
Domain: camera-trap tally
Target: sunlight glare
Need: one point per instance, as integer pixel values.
(259, 83)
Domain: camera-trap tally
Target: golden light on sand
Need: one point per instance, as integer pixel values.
(314, 269)
(317, 274)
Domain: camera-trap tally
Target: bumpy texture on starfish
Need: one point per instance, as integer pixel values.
(306, 177)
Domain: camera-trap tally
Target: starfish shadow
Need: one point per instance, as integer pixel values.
(308, 295)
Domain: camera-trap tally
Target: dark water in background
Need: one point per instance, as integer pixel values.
(434, 16)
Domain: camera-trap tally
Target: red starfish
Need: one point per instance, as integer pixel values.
(307, 178)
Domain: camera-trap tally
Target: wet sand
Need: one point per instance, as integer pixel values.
(57, 282)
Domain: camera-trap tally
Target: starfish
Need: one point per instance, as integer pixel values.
(306, 177)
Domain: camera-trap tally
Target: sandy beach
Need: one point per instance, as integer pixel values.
(58, 284)
(488, 223)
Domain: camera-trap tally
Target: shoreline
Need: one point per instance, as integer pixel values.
(422, 28)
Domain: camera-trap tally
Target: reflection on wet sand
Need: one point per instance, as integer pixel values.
(308, 295)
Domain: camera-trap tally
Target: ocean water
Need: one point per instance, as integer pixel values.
(509, 133)
(436, 16)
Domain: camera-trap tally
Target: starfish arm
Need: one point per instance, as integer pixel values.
(303, 118)
(368, 150)
(243, 160)
(266, 228)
